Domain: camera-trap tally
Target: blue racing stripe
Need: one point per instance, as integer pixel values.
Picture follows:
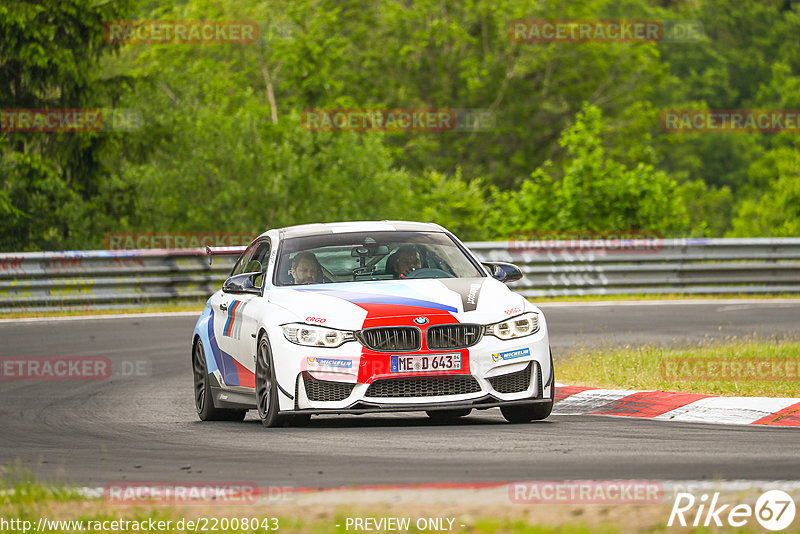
(371, 298)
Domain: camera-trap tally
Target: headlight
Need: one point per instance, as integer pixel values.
(519, 326)
(316, 336)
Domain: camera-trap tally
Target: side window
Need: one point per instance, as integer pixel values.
(245, 258)
(261, 258)
(255, 260)
(258, 262)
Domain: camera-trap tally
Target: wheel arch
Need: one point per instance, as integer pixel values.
(195, 340)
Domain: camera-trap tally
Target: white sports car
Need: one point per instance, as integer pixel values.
(368, 317)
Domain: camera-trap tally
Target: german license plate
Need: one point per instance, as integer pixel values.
(429, 362)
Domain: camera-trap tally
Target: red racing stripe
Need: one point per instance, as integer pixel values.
(376, 365)
(648, 403)
(231, 318)
(246, 377)
(789, 416)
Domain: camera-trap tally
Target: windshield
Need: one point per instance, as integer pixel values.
(360, 256)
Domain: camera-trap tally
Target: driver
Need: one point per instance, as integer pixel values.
(306, 269)
(407, 259)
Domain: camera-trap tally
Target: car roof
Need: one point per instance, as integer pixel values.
(303, 230)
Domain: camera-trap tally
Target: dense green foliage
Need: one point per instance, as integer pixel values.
(575, 144)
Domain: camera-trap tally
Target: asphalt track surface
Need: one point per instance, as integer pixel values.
(143, 428)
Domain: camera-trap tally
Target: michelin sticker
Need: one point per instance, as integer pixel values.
(318, 363)
(511, 355)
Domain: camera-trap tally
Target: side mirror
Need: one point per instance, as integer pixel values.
(505, 272)
(242, 283)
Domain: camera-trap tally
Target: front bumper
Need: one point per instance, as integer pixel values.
(486, 381)
(364, 407)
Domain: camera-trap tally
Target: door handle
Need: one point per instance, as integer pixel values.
(223, 307)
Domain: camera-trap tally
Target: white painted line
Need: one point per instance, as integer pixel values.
(739, 307)
(727, 410)
(97, 317)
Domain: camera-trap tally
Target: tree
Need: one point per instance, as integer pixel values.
(776, 213)
(453, 202)
(591, 191)
(49, 57)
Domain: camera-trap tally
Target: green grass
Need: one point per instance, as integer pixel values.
(147, 308)
(19, 487)
(654, 367)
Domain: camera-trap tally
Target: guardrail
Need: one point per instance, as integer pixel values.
(126, 278)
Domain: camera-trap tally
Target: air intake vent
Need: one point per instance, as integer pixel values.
(453, 336)
(429, 386)
(326, 391)
(517, 381)
(394, 339)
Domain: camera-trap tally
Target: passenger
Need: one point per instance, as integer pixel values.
(306, 269)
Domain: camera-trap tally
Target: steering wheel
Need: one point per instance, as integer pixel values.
(428, 273)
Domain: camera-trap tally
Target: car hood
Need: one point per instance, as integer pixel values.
(347, 305)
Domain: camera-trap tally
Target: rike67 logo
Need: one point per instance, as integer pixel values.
(774, 510)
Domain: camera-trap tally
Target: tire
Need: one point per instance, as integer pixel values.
(532, 412)
(266, 385)
(203, 398)
(448, 416)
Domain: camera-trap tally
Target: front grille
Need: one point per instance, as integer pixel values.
(514, 382)
(326, 391)
(392, 339)
(433, 386)
(453, 336)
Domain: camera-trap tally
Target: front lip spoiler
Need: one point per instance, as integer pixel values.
(362, 407)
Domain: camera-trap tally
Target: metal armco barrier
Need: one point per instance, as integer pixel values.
(109, 279)
(651, 267)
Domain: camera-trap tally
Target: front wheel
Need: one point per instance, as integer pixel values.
(266, 385)
(532, 412)
(527, 412)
